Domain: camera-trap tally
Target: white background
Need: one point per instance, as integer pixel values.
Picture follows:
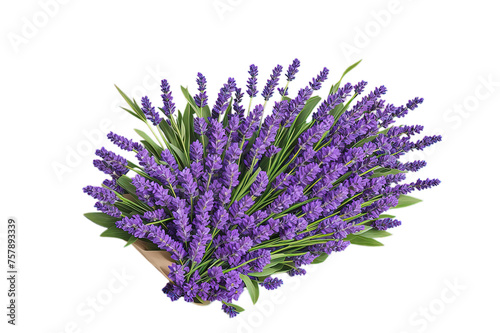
(438, 273)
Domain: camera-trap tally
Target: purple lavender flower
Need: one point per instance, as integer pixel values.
(133, 226)
(190, 187)
(221, 103)
(101, 194)
(217, 138)
(237, 107)
(271, 151)
(297, 272)
(111, 163)
(168, 103)
(201, 98)
(271, 84)
(271, 283)
(123, 142)
(158, 236)
(384, 224)
(292, 70)
(149, 111)
(251, 123)
(200, 126)
(171, 292)
(252, 81)
(196, 151)
(155, 215)
(259, 185)
(181, 219)
(332, 101)
(231, 311)
(317, 82)
(108, 209)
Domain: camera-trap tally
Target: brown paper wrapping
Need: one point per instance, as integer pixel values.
(160, 259)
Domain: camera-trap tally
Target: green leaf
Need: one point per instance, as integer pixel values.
(405, 201)
(236, 307)
(336, 86)
(133, 105)
(386, 171)
(253, 289)
(191, 102)
(132, 113)
(322, 257)
(169, 133)
(157, 150)
(104, 220)
(360, 240)
(275, 261)
(229, 108)
(243, 187)
(374, 233)
(181, 156)
(131, 240)
(116, 233)
(188, 124)
(306, 111)
(267, 271)
(206, 112)
(123, 207)
(126, 183)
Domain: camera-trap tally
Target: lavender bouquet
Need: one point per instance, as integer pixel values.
(236, 196)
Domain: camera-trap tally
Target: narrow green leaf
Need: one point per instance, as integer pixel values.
(336, 86)
(169, 133)
(306, 111)
(116, 233)
(182, 157)
(386, 171)
(236, 307)
(126, 183)
(364, 241)
(322, 257)
(132, 113)
(243, 187)
(227, 113)
(374, 233)
(254, 292)
(191, 102)
(405, 201)
(123, 207)
(257, 291)
(104, 220)
(206, 112)
(157, 150)
(132, 104)
(267, 271)
(131, 240)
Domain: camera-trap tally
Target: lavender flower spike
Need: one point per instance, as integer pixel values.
(268, 91)
(149, 111)
(168, 103)
(316, 82)
(222, 101)
(252, 81)
(292, 70)
(201, 98)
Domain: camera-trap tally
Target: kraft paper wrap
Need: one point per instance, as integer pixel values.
(160, 260)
